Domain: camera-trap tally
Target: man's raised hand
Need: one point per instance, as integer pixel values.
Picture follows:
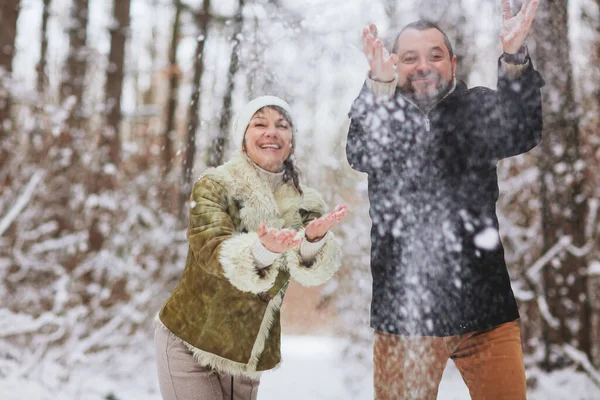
(515, 28)
(382, 64)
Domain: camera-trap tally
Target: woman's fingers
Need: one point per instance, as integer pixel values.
(262, 229)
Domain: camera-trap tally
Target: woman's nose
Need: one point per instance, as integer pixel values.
(271, 130)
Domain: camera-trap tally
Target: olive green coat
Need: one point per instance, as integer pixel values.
(224, 309)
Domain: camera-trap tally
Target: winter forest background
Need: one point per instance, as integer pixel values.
(110, 109)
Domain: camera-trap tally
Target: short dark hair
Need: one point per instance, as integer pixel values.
(422, 25)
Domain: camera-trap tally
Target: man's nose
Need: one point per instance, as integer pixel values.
(423, 66)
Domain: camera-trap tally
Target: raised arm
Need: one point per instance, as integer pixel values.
(513, 113)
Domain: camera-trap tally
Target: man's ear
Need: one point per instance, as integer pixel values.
(454, 65)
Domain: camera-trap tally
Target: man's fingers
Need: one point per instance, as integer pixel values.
(532, 6)
(506, 12)
(364, 35)
(370, 47)
(373, 30)
(378, 52)
(391, 61)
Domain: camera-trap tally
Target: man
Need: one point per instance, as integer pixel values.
(430, 147)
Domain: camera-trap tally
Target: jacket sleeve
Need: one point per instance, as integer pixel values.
(328, 259)
(512, 114)
(369, 136)
(216, 245)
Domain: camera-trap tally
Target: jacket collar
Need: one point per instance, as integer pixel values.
(259, 203)
(458, 88)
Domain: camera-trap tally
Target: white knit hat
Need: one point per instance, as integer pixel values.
(245, 115)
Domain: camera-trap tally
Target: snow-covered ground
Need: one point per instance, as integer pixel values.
(312, 370)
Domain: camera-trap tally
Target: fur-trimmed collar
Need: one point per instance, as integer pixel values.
(259, 203)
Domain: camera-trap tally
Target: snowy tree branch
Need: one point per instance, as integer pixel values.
(581, 359)
(21, 202)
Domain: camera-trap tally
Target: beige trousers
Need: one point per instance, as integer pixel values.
(180, 377)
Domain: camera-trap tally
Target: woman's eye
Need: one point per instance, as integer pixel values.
(282, 126)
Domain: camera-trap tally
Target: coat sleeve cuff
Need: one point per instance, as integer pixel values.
(513, 71)
(309, 250)
(382, 89)
(240, 266)
(263, 256)
(326, 263)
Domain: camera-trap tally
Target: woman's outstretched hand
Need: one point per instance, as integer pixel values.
(276, 240)
(320, 226)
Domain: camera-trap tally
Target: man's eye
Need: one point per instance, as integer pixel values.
(259, 124)
(409, 59)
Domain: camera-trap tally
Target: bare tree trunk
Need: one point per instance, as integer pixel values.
(202, 19)
(9, 13)
(562, 186)
(73, 77)
(217, 150)
(41, 67)
(593, 176)
(174, 76)
(110, 139)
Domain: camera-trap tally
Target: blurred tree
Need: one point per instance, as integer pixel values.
(43, 62)
(9, 13)
(73, 75)
(110, 138)
(216, 151)
(202, 18)
(563, 201)
(174, 75)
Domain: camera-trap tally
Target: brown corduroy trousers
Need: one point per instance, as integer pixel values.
(180, 377)
(490, 362)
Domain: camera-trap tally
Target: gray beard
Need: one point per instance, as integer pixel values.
(425, 102)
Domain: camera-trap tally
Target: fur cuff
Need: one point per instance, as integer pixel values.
(325, 265)
(513, 71)
(240, 266)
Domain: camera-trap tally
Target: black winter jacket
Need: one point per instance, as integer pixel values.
(437, 261)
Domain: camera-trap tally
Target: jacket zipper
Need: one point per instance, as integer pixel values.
(426, 114)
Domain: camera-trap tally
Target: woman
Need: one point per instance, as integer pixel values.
(252, 228)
